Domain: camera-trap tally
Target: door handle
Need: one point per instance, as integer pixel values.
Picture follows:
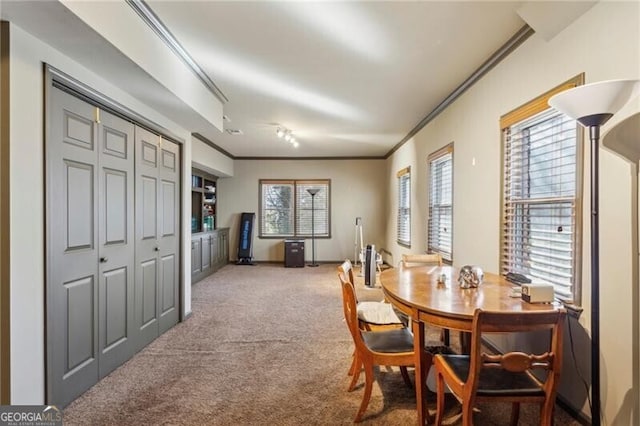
(104, 259)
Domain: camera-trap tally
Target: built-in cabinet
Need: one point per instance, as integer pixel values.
(209, 246)
(209, 252)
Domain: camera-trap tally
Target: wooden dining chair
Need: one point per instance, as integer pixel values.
(481, 377)
(371, 314)
(388, 347)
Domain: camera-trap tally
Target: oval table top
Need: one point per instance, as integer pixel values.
(415, 291)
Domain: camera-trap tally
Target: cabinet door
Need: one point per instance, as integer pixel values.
(223, 257)
(196, 256)
(206, 252)
(214, 250)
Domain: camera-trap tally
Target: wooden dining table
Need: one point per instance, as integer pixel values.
(418, 292)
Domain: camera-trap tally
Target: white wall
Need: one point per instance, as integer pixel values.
(603, 43)
(357, 190)
(210, 160)
(27, 263)
(143, 46)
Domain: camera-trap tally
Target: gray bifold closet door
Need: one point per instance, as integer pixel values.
(93, 219)
(157, 242)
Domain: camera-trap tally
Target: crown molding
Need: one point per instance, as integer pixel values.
(516, 40)
(151, 19)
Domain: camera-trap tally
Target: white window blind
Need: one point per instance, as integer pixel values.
(320, 210)
(540, 200)
(286, 208)
(440, 224)
(404, 207)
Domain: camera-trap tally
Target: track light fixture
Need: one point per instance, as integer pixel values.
(287, 134)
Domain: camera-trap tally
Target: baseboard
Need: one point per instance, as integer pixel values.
(281, 262)
(579, 416)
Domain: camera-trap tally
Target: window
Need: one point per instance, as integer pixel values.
(404, 207)
(440, 224)
(287, 209)
(541, 194)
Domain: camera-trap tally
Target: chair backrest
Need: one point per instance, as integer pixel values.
(516, 362)
(349, 304)
(345, 272)
(421, 259)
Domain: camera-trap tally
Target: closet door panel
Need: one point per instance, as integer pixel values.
(147, 146)
(117, 244)
(72, 261)
(168, 241)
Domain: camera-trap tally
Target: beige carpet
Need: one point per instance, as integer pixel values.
(266, 345)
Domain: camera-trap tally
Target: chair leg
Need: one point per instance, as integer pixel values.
(368, 385)
(445, 337)
(546, 412)
(467, 413)
(352, 369)
(405, 376)
(515, 413)
(357, 366)
(439, 399)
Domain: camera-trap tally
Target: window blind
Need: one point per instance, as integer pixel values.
(540, 200)
(286, 208)
(320, 209)
(440, 223)
(404, 207)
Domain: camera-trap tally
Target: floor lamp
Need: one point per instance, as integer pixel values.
(624, 140)
(313, 192)
(592, 105)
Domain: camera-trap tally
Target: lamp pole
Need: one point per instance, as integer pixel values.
(313, 192)
(592, 105)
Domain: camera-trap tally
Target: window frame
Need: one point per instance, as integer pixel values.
(434, 156)
(518, 115)
(403, 211)
(294, 209)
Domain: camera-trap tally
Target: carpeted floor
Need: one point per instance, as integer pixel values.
(265, 345)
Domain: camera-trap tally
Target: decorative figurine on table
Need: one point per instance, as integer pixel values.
(470, 276)
(442, 279)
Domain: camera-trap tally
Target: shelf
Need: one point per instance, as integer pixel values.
(203, 202)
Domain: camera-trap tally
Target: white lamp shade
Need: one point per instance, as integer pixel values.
(601, 98)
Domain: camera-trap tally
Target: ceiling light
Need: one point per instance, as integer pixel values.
(283, 132)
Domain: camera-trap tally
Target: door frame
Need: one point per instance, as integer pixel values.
(5, 276)
(54, 77)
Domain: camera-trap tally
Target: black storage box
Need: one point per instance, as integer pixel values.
(293, 253)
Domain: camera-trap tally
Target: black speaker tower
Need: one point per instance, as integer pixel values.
(245, 239)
